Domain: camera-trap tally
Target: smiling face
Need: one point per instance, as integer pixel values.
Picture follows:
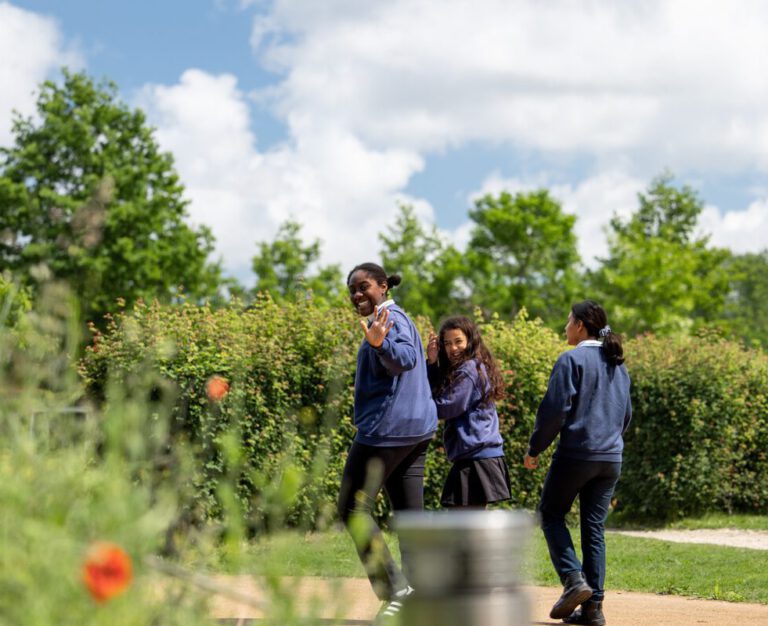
(365, 293)
(455, 345)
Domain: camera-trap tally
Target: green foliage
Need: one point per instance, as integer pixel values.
(283, 268)
(696, 444)
(746, 308)
(291, 367)
(15, 301)
(522, 254)
(699, 435)
(657, 277)
(430, 269)
(70, 478)
(86, 196)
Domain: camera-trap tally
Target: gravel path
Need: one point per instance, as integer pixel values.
(754, 539)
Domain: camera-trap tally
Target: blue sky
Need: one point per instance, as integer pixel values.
(331, 113)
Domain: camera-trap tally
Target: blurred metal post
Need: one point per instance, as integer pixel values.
(465, 567)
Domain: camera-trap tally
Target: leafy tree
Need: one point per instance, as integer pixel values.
(87, 197)
(283, 267)
(658, 276)
(523, 254)
(746, 307)
(430, 268)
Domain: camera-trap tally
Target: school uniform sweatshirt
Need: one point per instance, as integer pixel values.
(471, 425)
(393, 401)
(587, 403)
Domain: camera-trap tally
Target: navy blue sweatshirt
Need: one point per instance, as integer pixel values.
(393, 401)
(471, 426)
(587, 403)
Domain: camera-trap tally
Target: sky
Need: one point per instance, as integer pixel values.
(333, 113)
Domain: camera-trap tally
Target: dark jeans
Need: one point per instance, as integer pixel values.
(593, 482)
(400, 471)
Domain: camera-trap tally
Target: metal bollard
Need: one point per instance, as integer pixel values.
(465, 567)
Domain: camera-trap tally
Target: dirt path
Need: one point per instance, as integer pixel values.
(351, 600)
(754, 539)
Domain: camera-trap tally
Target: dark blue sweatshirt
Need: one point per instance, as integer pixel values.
(587, 403)
(393, 401)
(471, 426)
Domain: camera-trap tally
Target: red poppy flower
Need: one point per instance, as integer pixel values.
(216, 388)
(107, 571)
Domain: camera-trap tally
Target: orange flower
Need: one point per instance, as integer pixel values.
(107, 571)
(216, 388)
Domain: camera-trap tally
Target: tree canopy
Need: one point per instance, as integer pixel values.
(87, 196)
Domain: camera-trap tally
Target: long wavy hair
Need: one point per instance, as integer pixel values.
(491, 381)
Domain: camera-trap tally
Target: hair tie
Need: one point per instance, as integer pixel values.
(605, 331)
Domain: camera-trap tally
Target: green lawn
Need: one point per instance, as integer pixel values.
(634, 564)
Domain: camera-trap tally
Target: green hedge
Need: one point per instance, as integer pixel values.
(697, 442)
(699, 438)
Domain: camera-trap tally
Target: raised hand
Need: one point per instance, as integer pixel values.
(432, 348)
(377, 331)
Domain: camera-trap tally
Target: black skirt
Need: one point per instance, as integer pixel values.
(476, 482)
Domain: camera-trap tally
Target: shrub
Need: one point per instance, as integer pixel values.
(699, 435)
(697, 442)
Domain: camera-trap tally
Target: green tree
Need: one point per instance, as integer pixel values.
(284, 267)
(523, 253)
(87, 197)
(431, 269)
(659, 277)
(746, 306)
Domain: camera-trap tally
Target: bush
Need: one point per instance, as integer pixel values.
(699, 436)
(291, 368)
(697, 442)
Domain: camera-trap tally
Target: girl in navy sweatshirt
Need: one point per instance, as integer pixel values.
(587, 403)
(395, 419)
(465, 382)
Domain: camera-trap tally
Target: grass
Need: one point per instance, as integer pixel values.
(634, 564)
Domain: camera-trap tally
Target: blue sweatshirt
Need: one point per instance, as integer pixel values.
(393, 401)
(587, 403)
(471, 426)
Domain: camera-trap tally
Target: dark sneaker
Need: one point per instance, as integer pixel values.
(590, 614)
(390, 610)
(575, 591)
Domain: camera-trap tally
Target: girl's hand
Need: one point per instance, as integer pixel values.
(531, 462)
(432, 348)
(376, 332)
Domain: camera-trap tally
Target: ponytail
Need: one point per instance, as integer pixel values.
(593, 316)
(378, 274)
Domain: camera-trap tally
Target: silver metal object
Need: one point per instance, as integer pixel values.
(465, 567)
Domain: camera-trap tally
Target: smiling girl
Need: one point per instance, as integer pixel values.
(395, 420)
(466, 382)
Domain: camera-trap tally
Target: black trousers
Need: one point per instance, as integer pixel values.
(593, 482)
(400, 471)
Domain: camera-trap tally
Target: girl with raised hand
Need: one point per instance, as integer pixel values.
(395, 420)
(587, 403)
(466, 382)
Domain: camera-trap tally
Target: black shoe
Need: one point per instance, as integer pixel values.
(390, 610)
(575, 591)
(590, 614)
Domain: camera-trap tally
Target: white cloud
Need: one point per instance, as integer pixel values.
(680, 83)
(31, 48)
(341, 191)
(741, 231)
